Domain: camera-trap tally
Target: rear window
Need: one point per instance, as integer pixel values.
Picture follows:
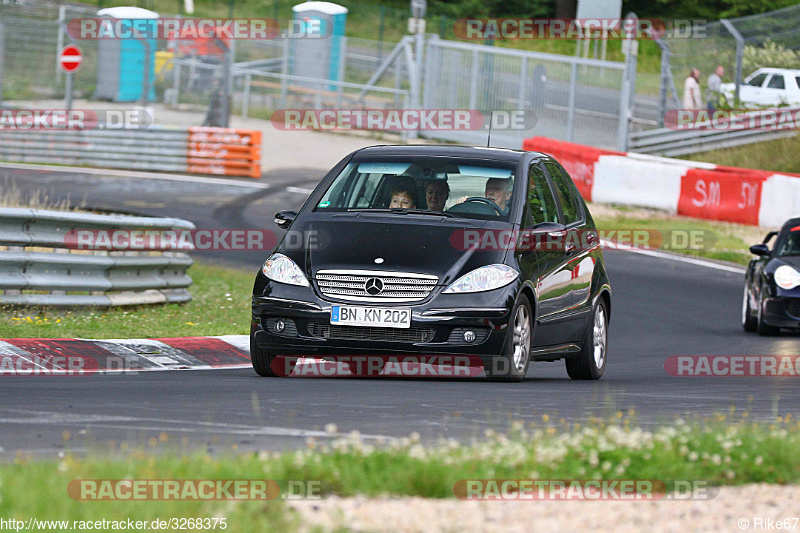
(777, 82)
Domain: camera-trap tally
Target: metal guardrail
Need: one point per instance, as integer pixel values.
(222, 151)
(670, 142)
(35, 257)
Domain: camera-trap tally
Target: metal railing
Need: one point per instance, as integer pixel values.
(40, 266)
(193, 150)
(703, 137)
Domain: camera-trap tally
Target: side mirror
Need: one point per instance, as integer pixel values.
(759, 249)
(284, 219)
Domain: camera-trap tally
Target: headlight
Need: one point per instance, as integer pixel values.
(283, 270)
(786, 277)
(483, 279)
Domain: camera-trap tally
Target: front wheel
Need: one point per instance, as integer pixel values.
(591, 361)
(749, 322)
(263, 362)
(512, 365)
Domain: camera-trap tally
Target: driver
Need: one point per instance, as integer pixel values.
(498, 190)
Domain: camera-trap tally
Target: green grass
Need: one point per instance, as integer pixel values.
(721, 241)
(724, 450)
(779, 155)
(220, 305)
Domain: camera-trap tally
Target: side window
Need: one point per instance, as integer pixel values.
(758, 81)
(541, 202)
(776, 82)
(797, 81)
(569, 206)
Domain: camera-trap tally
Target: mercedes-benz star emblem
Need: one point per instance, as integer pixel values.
(373, 286)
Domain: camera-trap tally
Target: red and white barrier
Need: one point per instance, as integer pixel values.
(700, 190)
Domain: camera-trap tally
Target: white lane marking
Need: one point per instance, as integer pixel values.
(299, 190)
(678, 258)
(110, 421)
(138, 174)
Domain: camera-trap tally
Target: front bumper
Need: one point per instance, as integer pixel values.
(437, 324)
(782, 311)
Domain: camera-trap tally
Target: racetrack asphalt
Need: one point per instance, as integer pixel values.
(660, 308)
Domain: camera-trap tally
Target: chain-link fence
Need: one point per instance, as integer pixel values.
(571, 98)
(578, 99)
(740, 45)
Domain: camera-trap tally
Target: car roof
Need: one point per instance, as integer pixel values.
(773, 70)
(476, 152)
(791, 223)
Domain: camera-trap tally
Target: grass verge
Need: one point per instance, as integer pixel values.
(725, 450)
(779, 155)
(722, 241)
(220, 305)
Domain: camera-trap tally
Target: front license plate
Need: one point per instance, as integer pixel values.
(381, 317)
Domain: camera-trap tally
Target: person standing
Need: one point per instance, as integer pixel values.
(714, 86)
(691, 91)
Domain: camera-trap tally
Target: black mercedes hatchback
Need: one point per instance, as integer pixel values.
(437, 250)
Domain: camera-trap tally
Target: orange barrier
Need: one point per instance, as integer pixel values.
(224, 151)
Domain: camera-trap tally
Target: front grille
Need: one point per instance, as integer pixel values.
(394, 286)
(793, 306)
(327, 331)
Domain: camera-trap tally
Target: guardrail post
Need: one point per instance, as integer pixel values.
(739, 55)
(176, 80)
(62, 17)
(2, 55)
(628, 81)
(246, 97)
(573, 84)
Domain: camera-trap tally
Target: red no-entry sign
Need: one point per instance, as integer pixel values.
(70, 58)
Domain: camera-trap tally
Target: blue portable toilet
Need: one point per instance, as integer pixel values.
(319, 56)
(121, 62)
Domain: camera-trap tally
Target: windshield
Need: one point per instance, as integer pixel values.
(788, 243)
(432, 185)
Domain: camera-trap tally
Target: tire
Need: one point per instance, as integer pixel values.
(749, 322)
(512, 365)
(591, 361)
(764, 329)
(262, 362)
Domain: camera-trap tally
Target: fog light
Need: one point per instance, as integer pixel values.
(280, 325)
(469, 335)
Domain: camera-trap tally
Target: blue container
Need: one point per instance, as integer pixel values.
(121, 63)
(319, 57)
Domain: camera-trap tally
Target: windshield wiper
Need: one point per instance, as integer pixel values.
(404, 211)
